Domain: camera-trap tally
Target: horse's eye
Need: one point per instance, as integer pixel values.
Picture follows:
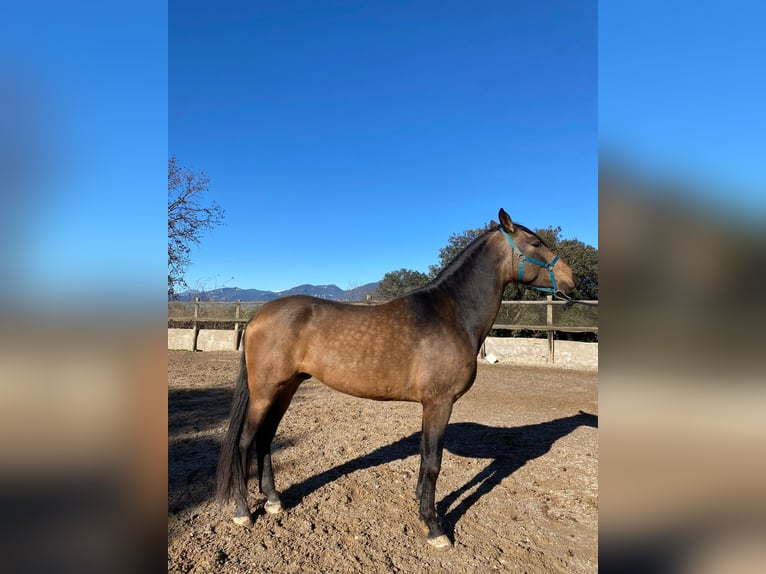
(536, 244)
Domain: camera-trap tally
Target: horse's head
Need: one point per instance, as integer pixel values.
(532, 262)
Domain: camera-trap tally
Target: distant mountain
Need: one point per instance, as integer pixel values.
(332, 292)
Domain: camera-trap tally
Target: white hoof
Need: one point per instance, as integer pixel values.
(246, 521)
(273, 507)
(440, 542)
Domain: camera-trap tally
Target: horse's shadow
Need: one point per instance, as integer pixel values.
(508, 449)
(192, 459)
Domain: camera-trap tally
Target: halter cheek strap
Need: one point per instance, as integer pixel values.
(543, 264)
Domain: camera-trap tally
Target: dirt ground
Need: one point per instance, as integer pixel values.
(518, 490)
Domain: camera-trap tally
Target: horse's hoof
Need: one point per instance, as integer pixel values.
(273, 507)
(246, 521)
(440, 542)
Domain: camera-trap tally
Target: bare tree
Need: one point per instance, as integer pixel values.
(188, 218)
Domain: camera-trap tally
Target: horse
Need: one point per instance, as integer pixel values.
(420, 347)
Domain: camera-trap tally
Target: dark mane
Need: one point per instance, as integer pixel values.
(459, 262)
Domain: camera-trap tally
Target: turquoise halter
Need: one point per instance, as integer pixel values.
(543, 264)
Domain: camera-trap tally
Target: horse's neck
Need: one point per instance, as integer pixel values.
(477, 292)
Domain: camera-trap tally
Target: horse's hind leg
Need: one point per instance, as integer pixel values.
(257, 411)
(263, 440)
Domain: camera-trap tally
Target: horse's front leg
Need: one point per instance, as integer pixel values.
(419, 488)
(435, 419)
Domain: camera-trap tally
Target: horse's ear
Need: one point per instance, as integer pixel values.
(505, 221)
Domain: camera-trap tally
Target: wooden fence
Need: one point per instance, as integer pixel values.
(548, 316)
(542, 316)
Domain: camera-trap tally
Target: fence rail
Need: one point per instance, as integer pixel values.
(543, 316)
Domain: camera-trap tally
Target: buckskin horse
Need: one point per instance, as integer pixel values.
(420, 347)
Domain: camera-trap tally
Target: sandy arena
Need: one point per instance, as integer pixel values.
(518, 489)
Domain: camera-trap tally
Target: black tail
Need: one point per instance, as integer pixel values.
(231, 472)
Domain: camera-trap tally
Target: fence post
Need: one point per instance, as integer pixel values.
(549, 324)
(236, 324)
(196, 326)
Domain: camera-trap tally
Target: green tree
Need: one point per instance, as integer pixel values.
(188, 218)
(581, 257)
(584, 262)
(396, 283)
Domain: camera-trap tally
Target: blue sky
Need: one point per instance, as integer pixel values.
(349, 139)
(348, 142)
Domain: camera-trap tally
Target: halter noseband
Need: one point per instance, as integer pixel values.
(543, 264)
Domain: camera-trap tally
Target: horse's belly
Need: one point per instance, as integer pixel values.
(364, 381)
